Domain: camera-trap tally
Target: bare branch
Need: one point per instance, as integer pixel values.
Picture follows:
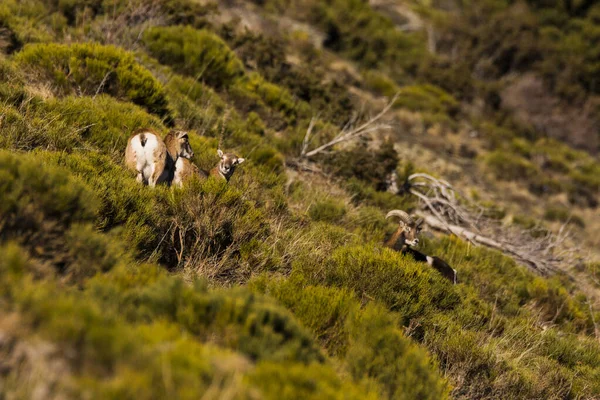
(101, 85)
(305, 142)
(451, 212)
(540, 265)
(348, 133)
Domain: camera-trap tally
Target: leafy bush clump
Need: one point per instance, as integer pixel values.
(35, 191)
(365, 338)
(373, 166)
(197, 53)
(299, 382)
(116, 327)
(72, 123)
(427, 98)
(41, 202)
(508, 167)
(306, 81)
(102, 122)
(274, 96)
(327, 210)
(564, 215)
(378, 349)
(90, 69)
(402, 285)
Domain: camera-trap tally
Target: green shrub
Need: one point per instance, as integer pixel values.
(373, 166)
(510, 167)
(91, 252)
(24, 22)
(305, 79)
(584, 185)
(327, 210)
(363, 193)
(357, 31)
(90, 69)
(234, 319)
(197, 53)
(406, 287)
(35, 190)
(212, 219)
(102, 122)
(41, 202)
(427, 98)
(380, 83)
(563, 214)
(322, 310)
(497, 136)
(274, 96)
(378, 349)
(298, 382)
(124, 204)
(116, 327)
(72, 123)
(366, 338)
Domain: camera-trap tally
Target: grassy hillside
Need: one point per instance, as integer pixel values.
(277, 285)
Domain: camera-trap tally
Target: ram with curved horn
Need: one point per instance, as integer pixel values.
(406, 236)
(407, 232)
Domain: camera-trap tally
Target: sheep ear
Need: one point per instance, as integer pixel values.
(182, 134)
(240, 160)
(220, 153)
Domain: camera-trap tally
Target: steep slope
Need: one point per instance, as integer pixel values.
(275, 285)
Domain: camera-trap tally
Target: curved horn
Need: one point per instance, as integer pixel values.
(404, 217)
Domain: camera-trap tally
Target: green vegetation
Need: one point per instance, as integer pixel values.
(90, 69)
(276, 285)
(198, 53)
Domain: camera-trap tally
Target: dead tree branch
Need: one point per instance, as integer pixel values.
(349, 132)
(447, 210)
(525, 256)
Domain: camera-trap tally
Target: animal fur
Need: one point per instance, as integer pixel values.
(185, 169)
(154, 159)
(405, 237)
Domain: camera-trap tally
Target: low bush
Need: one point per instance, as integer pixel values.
(73, 123)
(378, 349)
(90, 69)
(510, 167)
(116, 328)
(196, 106)
(564, 215)
(300, 382)
(327, 210)
(274, 96)
(197, 53)
(380, 83)
(100, 122)
(363, 193)
(25, 22)
(41, 202)
(401, 284)
(366, 338)
(373, 166)
(305, 79)
(427, 98)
